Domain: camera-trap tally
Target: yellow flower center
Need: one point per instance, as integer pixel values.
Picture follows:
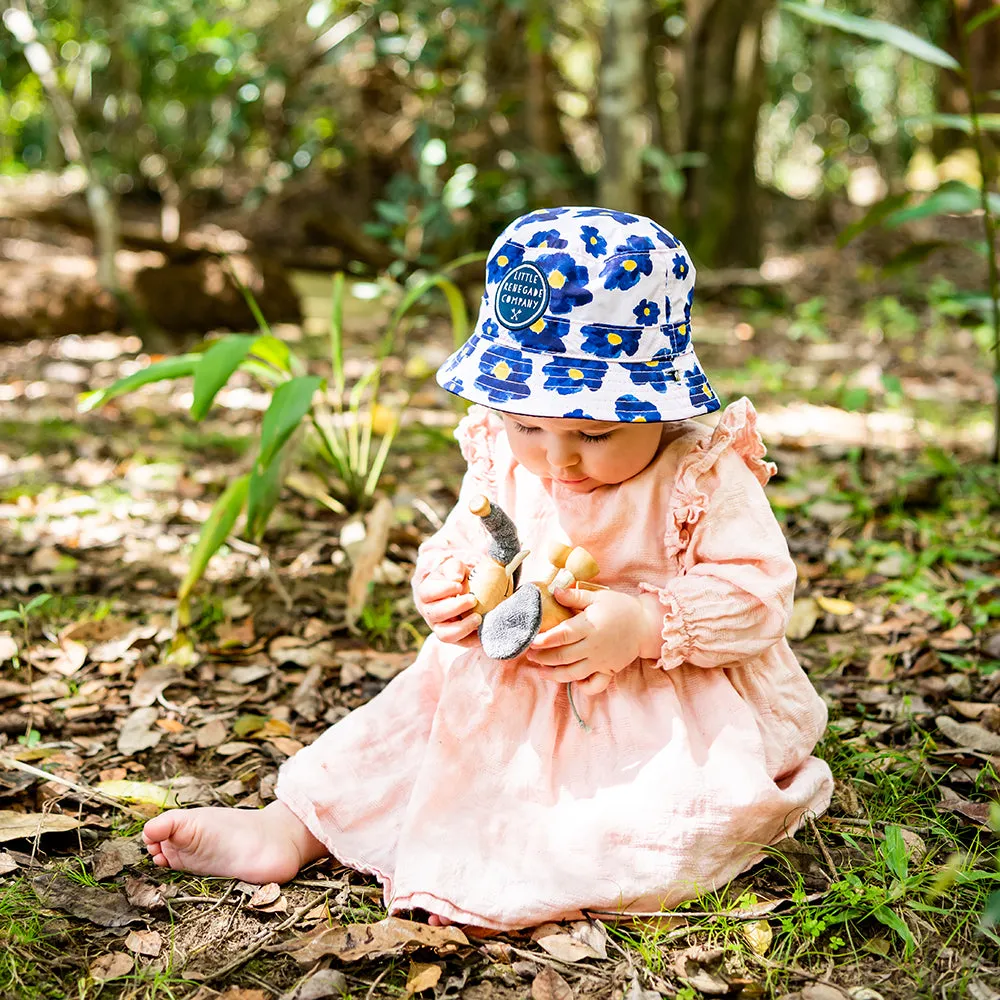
(544, 244)
(639, 420)
(502, 370)
(630, 265)
(593, 240)
(645, 311)
(614, 338)
(557, 279)
(652, 364)
(537, 326)
(575, 373)
(502, 261)
(682, 329)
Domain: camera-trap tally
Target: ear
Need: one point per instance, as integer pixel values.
(508, 629)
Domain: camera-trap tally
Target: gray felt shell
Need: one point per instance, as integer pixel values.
(508, 629)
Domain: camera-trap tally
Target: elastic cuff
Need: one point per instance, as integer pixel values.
(674, 632)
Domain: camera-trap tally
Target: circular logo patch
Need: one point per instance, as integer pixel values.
(522, 297)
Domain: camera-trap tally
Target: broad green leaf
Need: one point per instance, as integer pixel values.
(179, 367)
(876, 31)
(265, 488)
(951, 198)
(214, 532)
(913, 254)
(247, 724)
(879, 211)
(894, 922)
(977, 302)
(139, 791)
(289, 404)
(36, 602)
(337, 335)
(983, 17)
(963, 123)
(217, 364)
(9, 615)
(991, 915)
(272, 350)
(894, 852)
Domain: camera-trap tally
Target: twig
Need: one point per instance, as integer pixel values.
(92, 793)
(375, 982)
(279, 587)
(261, 941)
(757, 913)
(822, 846)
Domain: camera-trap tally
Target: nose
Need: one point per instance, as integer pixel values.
(561, 453)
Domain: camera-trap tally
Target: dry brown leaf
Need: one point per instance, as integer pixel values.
(978, 812)
(170, 725)
(236, 635)
(147, 894)
(805, 614)
(351, 942)
(239, 993)
(151, 684)
(112, 966)
(7, 863)
(8, 647)
(565, 948)
(970, 735)
(147, 943)
(422, 976)
(289, 649)
(758, 935)
(822, 991)
(701, 968)
(970, 709)
(368, 556)
(114, 855)
(264, 895)
(18, 826)
(137, 734)
(211, 734)
(286, 745)
(106, 909)
(71, 656)
(549, 985)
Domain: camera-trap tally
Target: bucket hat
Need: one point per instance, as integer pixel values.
(586, 314)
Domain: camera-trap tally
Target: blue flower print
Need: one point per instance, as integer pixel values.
(545, 334)
(680, 337)
(665, 238)
(504, 372)
(550, 239)
(593, 242)
(569, 375)
(578, 414)
(653, 373)
(630, 263)
(567, 282)
(630, 409)
(646, 313)
(507, 258)
(545, 215)
(699, 391)
(622, 217)
(681, 266)
(462, 353)
(610, 341)
(490, 330)
(454, 385)
(687, 307)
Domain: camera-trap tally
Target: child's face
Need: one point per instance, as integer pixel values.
(581, 454)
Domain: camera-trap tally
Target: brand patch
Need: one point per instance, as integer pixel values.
(522, 297)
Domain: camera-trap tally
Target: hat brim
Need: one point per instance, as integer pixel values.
(537, 384)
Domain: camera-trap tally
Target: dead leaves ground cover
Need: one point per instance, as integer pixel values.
(109, 713)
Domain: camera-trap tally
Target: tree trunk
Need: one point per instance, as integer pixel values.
(621, 105)
(724, 87)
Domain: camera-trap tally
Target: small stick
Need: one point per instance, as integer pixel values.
(822, 847)
(18, 765)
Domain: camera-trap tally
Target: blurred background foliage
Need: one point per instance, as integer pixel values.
(423, 125)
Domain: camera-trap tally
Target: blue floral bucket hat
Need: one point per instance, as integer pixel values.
(586, 314)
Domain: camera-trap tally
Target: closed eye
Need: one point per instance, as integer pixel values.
(596, 437)
(524, 429)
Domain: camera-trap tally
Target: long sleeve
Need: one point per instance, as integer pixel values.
(462, 535)
(732, 595)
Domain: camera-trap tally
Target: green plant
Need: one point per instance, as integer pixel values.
(339, 423)
(810, 322)
(23, 613)
(953, 197)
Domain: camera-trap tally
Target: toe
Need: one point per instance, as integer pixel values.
(158, 828)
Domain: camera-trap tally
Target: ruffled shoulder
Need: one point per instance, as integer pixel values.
(476, 434)
(737, 432)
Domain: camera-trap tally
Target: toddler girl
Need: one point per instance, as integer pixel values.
(468, 786)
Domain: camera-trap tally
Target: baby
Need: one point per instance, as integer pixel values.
(468, 786)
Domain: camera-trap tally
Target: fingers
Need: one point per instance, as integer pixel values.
(437, 612)
(573, 598)
(455, 631)
(453, 569)
(563, 675)
(594, 684)
(562, 655)
(569, 631)
(434, 589)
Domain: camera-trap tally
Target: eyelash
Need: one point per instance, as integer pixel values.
(586, 437)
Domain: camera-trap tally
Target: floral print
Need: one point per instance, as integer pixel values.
(610, 341)
(569, 375)
(606, 319)
(646, 313)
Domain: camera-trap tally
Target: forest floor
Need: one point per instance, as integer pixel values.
(875, 408)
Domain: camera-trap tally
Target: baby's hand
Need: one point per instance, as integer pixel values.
(444, 601)
(611, 631)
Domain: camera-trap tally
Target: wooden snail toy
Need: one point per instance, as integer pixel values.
(514, 613)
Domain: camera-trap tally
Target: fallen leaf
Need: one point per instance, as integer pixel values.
(211, 734)
(171, 725)
(286, 745)
(107, 909)
(147, 894)
(7, 863)
(289, 649)
(247, 724)
(549, 985)
(239, 993)
(71, 656)
(147, 943)
(970, 735)
(422, 976)
(636, 992)
(830, 512)
(566, 948)
(136, 733)
(350, 942)
(264, 895)
(114, 855)
(151, 684)
(835, 605)
(325, 983)
(111, 966)
(19, 826)
(139, 791)
(758, 935)
(822, 991)
(367, 557)
(236, 635)
(700, 967)
(978, 812)
(805, 613)
(970, 709)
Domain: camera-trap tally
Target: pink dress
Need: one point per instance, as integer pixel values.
(470, 790)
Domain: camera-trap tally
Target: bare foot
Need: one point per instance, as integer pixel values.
(435, 921)
(266, 845)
